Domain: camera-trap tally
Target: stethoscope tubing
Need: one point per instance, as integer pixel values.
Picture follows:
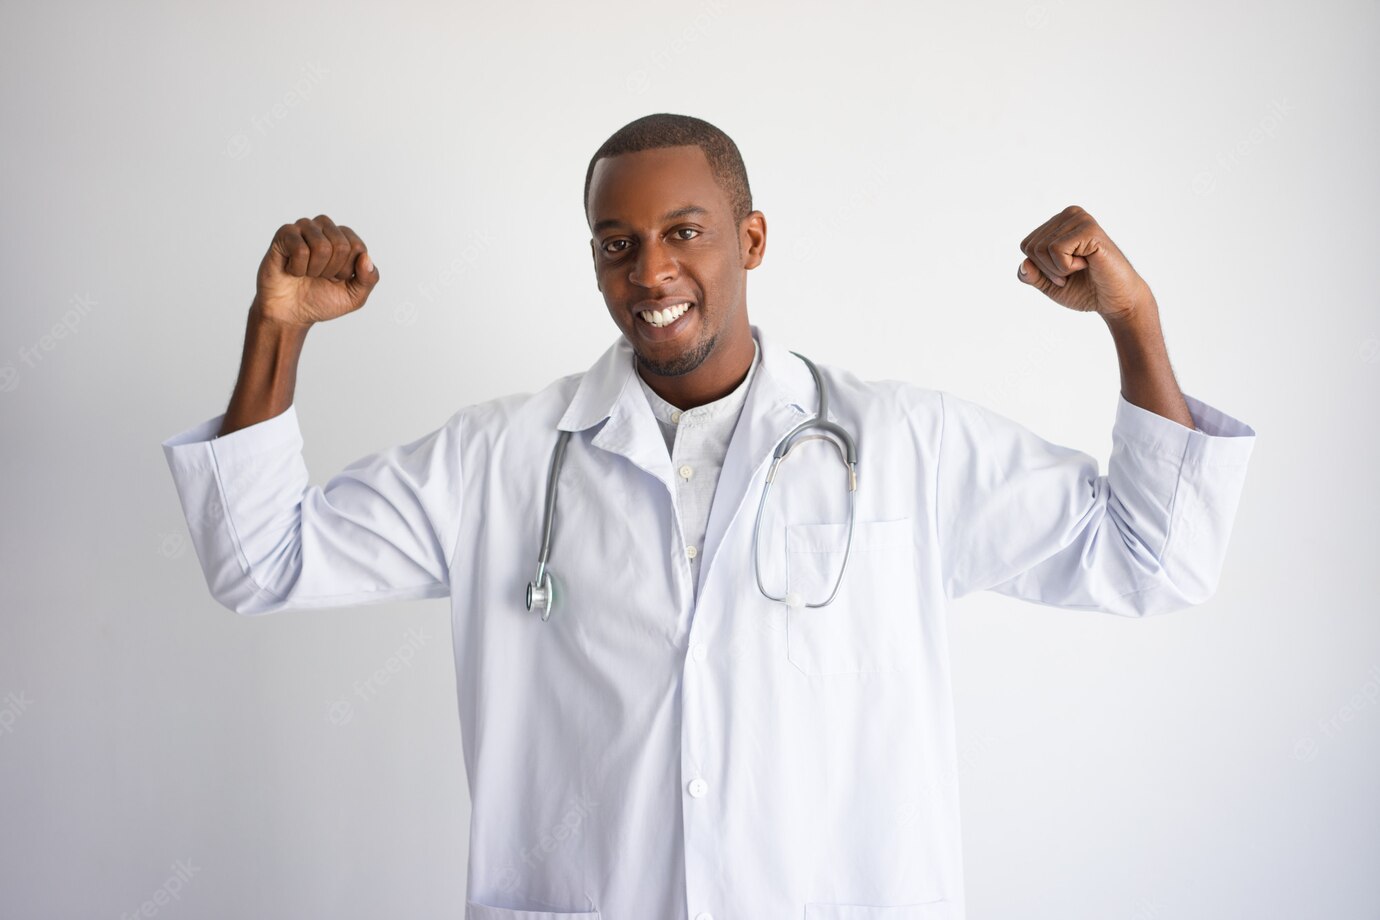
(541, 590)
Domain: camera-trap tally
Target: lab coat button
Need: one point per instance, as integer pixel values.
(698, 788)
(699, 651)
(691, 552)
(686, 472)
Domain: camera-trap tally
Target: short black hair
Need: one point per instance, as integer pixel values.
(651, 132)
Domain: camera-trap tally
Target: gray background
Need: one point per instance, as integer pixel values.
(1219, 761)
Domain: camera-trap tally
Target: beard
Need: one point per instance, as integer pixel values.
(681, 364)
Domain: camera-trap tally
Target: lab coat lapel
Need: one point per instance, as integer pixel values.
(781, 396)
(608, 390)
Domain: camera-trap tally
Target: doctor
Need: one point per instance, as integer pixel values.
(671, 743)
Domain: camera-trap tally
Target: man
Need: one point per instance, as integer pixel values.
(673, 742)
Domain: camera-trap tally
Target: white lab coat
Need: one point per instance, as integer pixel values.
(642, 755)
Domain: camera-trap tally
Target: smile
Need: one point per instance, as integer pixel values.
(665, 317)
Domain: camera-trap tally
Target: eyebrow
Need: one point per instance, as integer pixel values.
(686, 211)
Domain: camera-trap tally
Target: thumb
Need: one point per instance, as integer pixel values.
(366, 276)
(1028, 273)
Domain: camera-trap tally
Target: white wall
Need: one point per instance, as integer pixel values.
(1215, 762)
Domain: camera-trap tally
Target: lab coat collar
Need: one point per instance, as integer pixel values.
(780, 396)
(609, 387)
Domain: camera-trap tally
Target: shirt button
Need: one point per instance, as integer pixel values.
(675, 416)
(698, 787)
(686, 472)
(691, 552)
(699, 651)
(704, 915)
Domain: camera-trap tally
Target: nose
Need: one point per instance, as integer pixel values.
(653, 267)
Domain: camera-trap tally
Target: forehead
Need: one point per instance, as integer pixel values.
(638, 188)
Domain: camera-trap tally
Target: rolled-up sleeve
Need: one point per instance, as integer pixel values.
(1030, 519)
(382, 529)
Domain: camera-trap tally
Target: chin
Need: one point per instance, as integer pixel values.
(678, 364)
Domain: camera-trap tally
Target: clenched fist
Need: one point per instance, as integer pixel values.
(314, 271)
(1073, 261)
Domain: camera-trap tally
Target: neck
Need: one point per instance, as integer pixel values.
(718, 374)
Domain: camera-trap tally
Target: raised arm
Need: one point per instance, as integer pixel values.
(314, 271)
(1024, 517)
(381, 529)
(1073, 262)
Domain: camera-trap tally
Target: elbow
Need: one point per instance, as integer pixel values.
(238, 590)
(248, 599)
(1171, 592)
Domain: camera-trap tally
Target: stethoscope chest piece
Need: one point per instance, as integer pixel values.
(541, 595)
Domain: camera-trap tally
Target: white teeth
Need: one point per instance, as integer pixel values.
(664, 317)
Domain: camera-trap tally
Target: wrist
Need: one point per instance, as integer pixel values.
(1139, 321)
(266, 321)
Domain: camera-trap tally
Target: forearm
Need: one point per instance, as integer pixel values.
(1147, 380)
(268, 371)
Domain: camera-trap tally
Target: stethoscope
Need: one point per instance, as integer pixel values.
(541, 591)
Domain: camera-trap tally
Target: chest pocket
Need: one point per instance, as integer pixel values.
(873, 623)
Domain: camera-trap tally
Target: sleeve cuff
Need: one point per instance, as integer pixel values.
(1221, 440)
(198, 447)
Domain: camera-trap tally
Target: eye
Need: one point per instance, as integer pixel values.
(686, 230)
(614, 243)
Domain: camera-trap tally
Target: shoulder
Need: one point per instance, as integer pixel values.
(885, 401)
(543, 407)
(520, 421)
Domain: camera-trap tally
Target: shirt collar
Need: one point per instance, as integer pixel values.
(721, 408)
(780, 379)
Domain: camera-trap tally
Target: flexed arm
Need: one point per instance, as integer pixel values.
(1074, 263)
(383, 528)
(314, 271)
(1031, 519)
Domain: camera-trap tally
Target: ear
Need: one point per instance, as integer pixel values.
(752, 235)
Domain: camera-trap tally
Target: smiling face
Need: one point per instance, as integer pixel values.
(663, 236)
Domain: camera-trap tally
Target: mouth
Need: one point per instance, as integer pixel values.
(665, 322)
(665, 316)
